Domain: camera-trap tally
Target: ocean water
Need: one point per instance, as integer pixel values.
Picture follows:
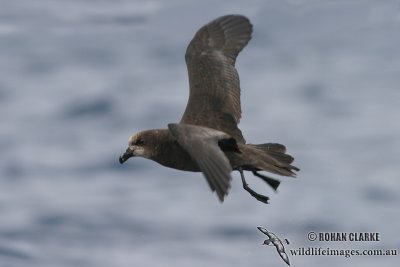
(77, 78)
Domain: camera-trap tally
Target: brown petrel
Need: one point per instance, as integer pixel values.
(207, 139)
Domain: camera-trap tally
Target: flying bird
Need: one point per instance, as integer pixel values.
(273, 240)
(207, 138)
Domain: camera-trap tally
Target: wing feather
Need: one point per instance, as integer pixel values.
(214, 99)
(202, 145)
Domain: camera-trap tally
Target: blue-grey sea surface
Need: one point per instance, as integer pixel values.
(78, 77)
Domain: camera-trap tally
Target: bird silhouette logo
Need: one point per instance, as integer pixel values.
(273, 240)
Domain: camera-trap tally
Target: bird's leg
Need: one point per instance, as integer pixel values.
(246, 187)
(270, 181)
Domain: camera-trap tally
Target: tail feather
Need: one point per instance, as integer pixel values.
(272, 158)
(281, 157)
(272, 147)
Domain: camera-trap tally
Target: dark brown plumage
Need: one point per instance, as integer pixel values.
(207, 138)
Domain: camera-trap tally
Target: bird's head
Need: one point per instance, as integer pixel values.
(139, 145)
(267, 242)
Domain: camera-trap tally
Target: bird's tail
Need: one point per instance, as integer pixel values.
(271, 157)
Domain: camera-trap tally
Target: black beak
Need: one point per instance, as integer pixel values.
(124, 157)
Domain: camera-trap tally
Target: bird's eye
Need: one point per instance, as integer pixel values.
(140, 142)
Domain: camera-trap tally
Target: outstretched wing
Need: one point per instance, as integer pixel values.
(284, 257)
(214, 99)
(264, 231)
(202, 145)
